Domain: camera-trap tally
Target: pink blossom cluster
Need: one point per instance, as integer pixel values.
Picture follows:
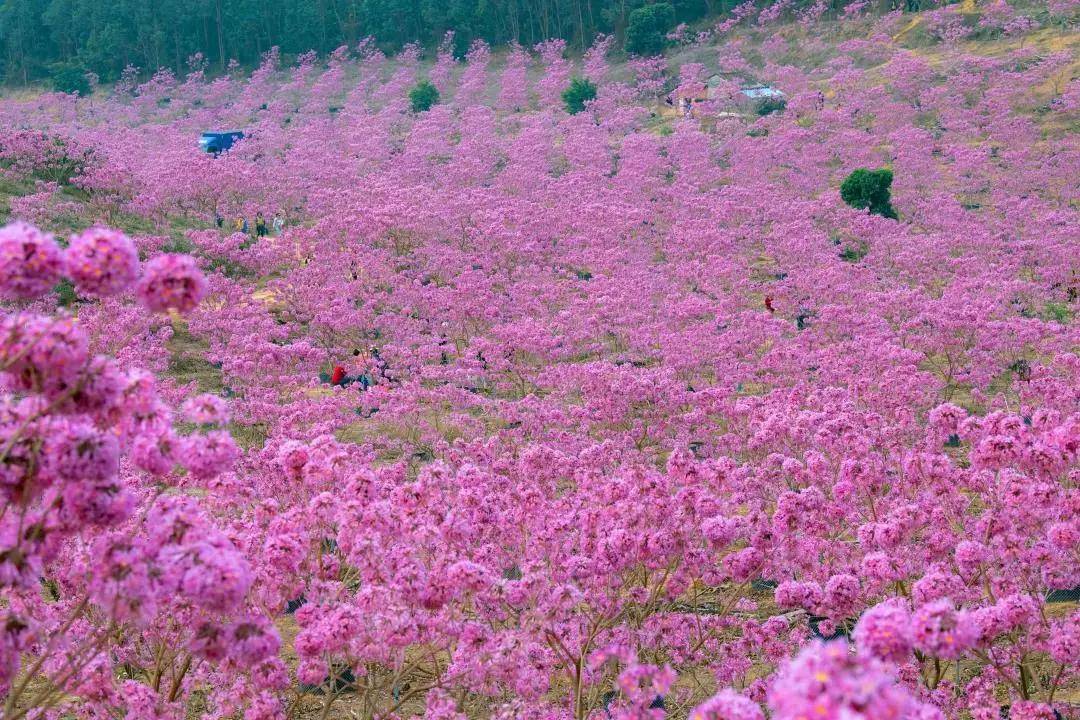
(85, 513)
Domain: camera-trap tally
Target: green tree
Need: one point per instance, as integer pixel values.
(869, 189)
(579, 92)
(648, 27)
(100, 52)
(70, 78)
(423, 96)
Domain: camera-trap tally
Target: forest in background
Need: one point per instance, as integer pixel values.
(41, 38)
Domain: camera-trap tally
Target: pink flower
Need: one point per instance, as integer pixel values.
(265, 706)
(947, 418)
(206, 409)
(744, 564)
(1065, 535)
(102, 262)
(1030, 710)
(21, 436)
(720, 531)
(1017, 610)
(826, 681)
(440, 705)
(77, 451)
(969, 555)
(9, 664)
(207, 456)
(727, 705)
(884, 632)
(143, 703)
(42, 352)
(212, 573)
(939, 630)
(1065, 640)
(312, 670)
(122, 586)
(15, 637)
(792, 594)
(841, 595)
(171, 282)
(103, 503)
(155, 452)
(882, 568)
(100, 387)
(935, 585)
(252, 640)
(210, 641)
(30, 262)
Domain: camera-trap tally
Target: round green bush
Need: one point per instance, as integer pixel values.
(423, 97)
(577, 94)
(869, 189)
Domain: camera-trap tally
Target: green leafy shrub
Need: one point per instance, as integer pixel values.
(869, 189)
(647, 29)
(70, 79)
(579, 92)
(1058, 312)
(770, 105)
(423, 97)
(854, 254)
(66, 295)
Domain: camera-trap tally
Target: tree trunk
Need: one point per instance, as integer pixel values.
(206, 33)
(220, 37)
(581, 25)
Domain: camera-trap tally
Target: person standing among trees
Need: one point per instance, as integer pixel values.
(260, 225)
(369, 366)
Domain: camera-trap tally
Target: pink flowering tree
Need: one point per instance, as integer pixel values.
(99, 515)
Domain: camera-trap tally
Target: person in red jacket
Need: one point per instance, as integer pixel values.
(768, 304)
(338, 375)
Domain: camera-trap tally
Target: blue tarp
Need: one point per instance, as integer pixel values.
(761, 91)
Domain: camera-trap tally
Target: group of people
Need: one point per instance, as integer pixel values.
(367, 369)
(261, 229)
(802, 318)
(686, 104)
